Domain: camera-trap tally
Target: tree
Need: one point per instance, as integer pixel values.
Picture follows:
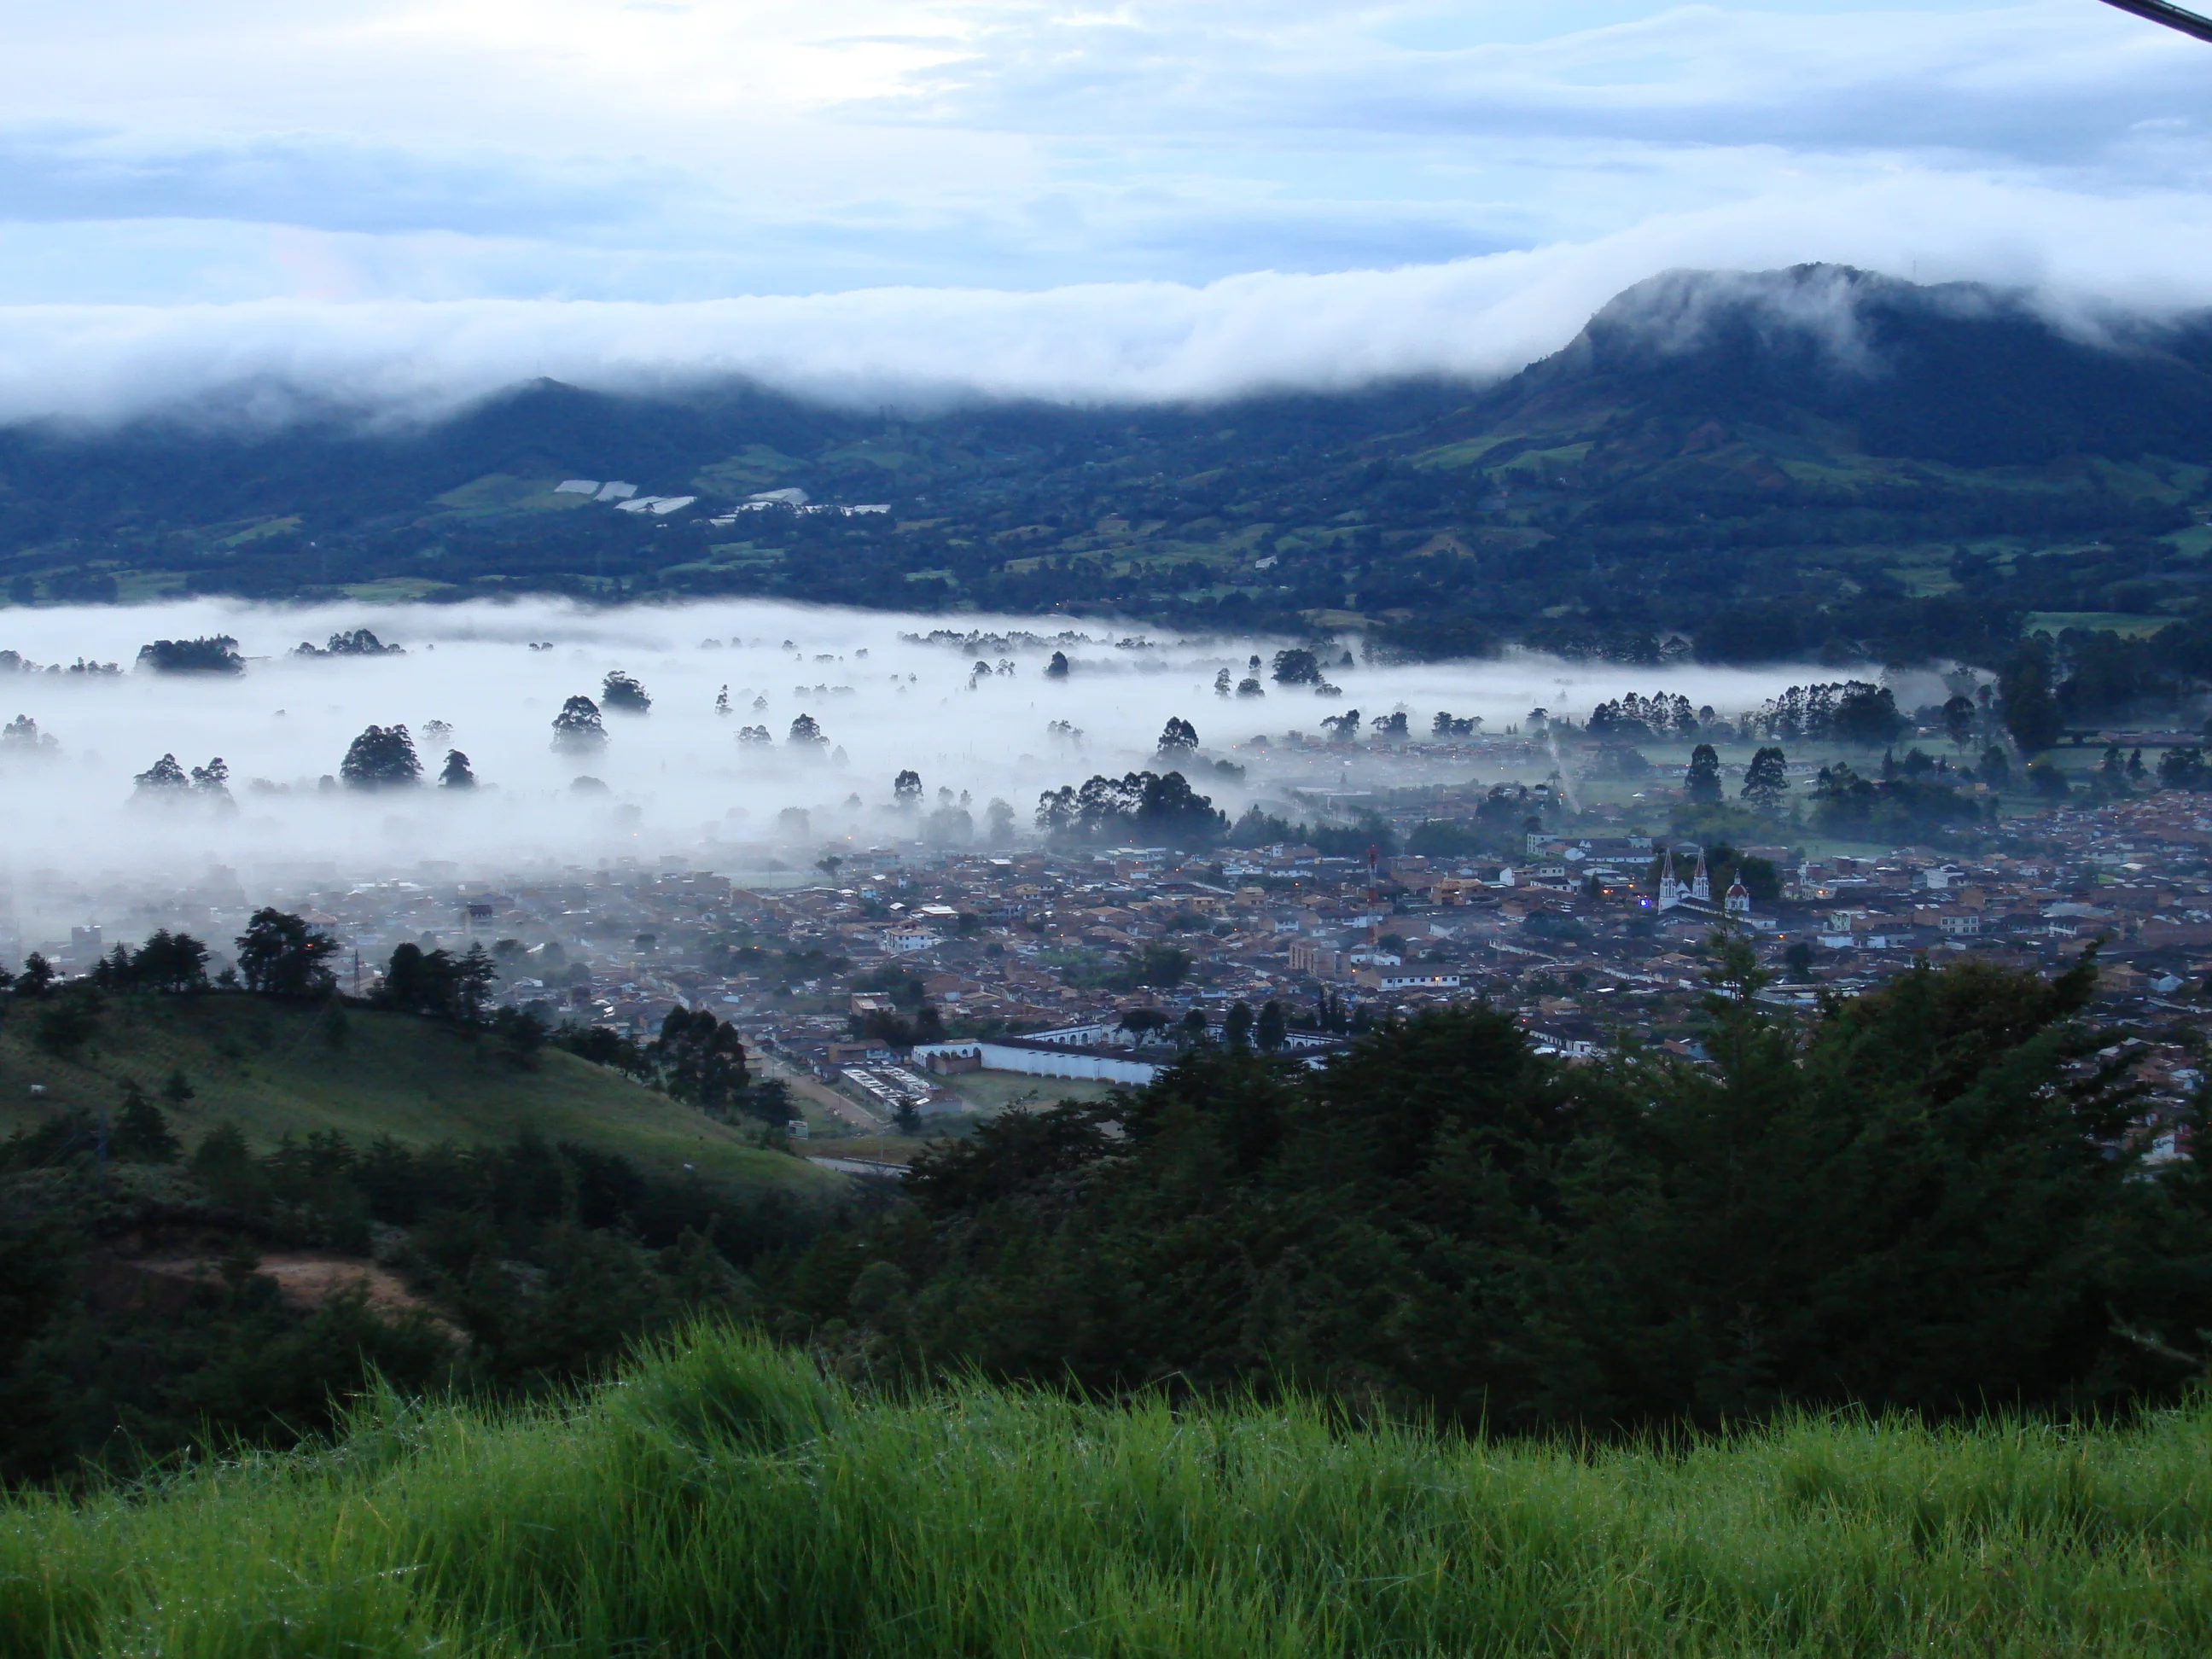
(1237, 1026)
(1000, 814)
(175, 963)
(1158, 967)
(1142, 1022)
(1866, 715)
(906, 789)
(1224, 682)
(1146, 805)
(1057, 668)
(2027, 704)
(1178, 739)
(213, 653)
(1390, 727)
(579, 729)
(1996, 770)
(1767, 780)
(457, 774)
(1273, 1029)
(2184, 768)
(701, 1060)
(437, 984)
(1799, 958)
(1296, 667)
(1701, 784)
(213, 779)
(141, 1134)
(381, 758)
(361, 643)
(280, 956)
(1958, 722)
(163, 776)
(622, 692)
(829, 864)
(806, 733)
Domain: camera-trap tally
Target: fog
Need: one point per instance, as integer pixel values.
(83, 845)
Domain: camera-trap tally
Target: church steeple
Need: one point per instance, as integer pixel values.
(1670, 889)
(1701, 884)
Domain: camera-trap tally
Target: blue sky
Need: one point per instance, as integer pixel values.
(366, 156)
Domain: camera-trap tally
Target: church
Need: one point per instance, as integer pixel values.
(1696, 895)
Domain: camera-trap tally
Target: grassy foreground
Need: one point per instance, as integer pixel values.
(721, 1499)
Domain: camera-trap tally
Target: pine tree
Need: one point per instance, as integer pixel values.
(141, 1134)
(1273, 1029)
(1767, 780)
(1701, 784)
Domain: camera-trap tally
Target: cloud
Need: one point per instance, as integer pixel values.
(2077, 254)
(680, 785)
(325, 182)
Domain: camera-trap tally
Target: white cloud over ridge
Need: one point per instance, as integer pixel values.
(2081, 256)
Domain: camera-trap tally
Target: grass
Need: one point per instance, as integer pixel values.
(275, 1070)
(723, 1499)
(994, 1091)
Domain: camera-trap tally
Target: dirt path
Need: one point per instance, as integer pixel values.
(808, 1087)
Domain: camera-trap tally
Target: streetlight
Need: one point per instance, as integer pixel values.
(2158, 11)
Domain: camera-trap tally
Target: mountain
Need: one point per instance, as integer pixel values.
(1816, 460)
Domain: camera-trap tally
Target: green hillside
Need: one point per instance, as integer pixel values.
(723, 1499)
(277, 1069)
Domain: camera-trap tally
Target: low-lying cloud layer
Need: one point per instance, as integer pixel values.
(676, 781)
(1474, 319)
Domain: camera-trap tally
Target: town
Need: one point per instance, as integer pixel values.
(901, 985)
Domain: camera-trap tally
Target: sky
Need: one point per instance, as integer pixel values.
(413, 202)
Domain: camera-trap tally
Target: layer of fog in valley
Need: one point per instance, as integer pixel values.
(682, 786)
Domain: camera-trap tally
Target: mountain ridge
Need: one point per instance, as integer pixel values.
(1841, 447)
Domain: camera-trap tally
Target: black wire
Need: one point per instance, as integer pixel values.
(2158, 11)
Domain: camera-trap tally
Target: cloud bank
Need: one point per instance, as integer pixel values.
(674, 783)
(2078, 255)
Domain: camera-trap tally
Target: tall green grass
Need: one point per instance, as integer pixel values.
(724, 1500)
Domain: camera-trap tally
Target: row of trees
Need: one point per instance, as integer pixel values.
(1765, 780)
(1147, 808)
